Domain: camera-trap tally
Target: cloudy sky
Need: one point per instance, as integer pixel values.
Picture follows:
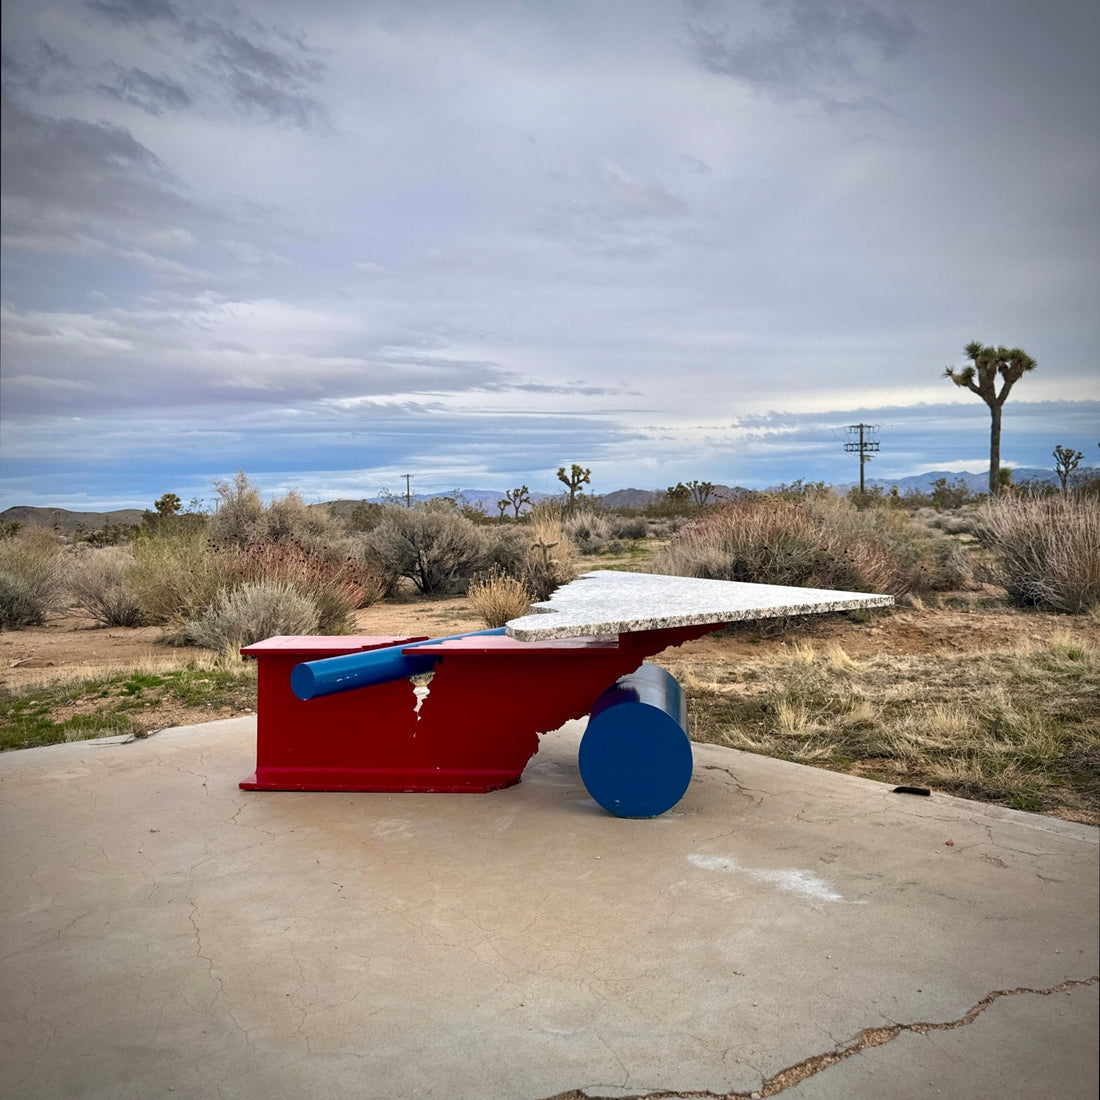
(331, 242)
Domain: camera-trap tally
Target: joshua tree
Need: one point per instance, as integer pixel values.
(515, 499)
(574, 481)
(1066, 460)
(167, 505)
(700, 492)
(980, 377)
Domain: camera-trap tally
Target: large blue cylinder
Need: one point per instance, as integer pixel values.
(635, 756)
(312, 679)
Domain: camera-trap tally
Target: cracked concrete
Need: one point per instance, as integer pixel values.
(782, 930)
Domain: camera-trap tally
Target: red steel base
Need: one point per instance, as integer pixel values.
(489, 699)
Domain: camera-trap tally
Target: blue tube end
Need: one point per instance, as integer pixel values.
(302, 681)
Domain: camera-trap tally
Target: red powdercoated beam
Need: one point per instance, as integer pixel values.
(488, 701)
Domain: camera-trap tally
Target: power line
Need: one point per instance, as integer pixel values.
(863, 448)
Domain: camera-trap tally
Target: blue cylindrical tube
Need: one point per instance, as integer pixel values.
(635, 757)
(312, 679)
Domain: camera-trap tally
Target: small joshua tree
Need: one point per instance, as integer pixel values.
(1066, 460)
(515, 499)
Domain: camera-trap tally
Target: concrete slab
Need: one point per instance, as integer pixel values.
(165, 933)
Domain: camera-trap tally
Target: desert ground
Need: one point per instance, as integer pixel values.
(72, 644)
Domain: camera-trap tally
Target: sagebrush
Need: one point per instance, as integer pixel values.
(30, 577)
(251, 613)
(99, 582)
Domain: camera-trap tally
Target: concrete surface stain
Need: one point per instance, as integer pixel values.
(790, 879)
(808, 1067)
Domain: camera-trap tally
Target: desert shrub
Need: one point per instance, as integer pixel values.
(629, 527)
(20, 604)
(498, 597)
(175, 579)
(935, 564)
(663, 527)
(290, 519)
(438, 550)
(252, 612)
(1046, 550)
(964, 521)
(99, 582)
(239, 518)
(30, 577)
(335, 585)
(551, 560)
(242, 519)
(509, 546)
(366, 516)
(591, 532)
(813, 542)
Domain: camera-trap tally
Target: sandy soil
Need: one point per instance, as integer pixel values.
(70, 644)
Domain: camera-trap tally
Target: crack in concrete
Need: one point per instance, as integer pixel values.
(869, 1037)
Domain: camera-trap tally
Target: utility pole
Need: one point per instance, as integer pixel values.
(863, 447)
(408, 490)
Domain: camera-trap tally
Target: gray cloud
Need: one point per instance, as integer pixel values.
(153, 94)
(197, 289)
(808, 49)
(265, 72)
(129, 13)
(612, 213)
(39, 69)
(68, 181)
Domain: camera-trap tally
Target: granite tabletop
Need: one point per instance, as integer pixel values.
(609, 602)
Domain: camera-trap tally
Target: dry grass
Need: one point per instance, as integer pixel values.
(1019, 726)
(819, 541)
(497, 598)
(1046, 550)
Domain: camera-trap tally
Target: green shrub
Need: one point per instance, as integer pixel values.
(175, 579)
(30, 577)
(251, 613)
(509, 546)
(438, 550)
(1046, 550)
(99, 582)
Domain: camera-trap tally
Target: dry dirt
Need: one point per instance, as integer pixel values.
(72, 644)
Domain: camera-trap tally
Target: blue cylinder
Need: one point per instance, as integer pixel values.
(635, 756)
(312, 679)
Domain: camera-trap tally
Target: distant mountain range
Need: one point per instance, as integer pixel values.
(68, 522)
(976, 483)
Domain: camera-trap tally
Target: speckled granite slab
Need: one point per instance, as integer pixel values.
(606, 602)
